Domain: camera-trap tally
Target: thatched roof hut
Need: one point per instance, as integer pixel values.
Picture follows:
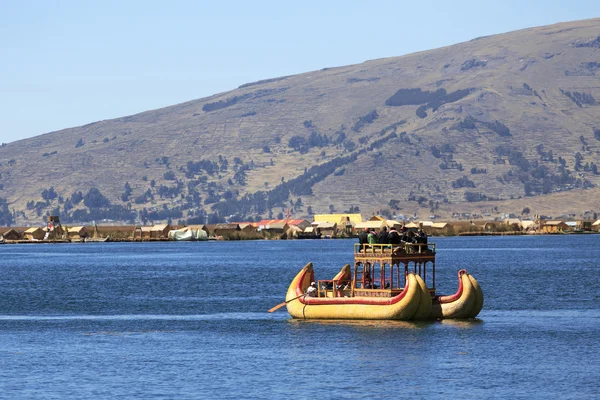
(36, 233)
(11, 234)
(160, 231)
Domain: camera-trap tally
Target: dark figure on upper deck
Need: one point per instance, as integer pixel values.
(363, 238)
(408, 239)
(408, 236)
(421, 236)
(421, 239)
(383, 236)
(393, 237)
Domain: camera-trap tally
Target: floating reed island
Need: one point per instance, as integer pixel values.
(323, 226)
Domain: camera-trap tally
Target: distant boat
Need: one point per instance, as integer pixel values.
(96, 240)
(95, 237)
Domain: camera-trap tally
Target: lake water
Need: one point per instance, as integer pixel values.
(189, 321)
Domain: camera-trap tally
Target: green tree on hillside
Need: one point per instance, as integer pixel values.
(95, 199)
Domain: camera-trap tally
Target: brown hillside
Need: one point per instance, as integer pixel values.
(488, 126)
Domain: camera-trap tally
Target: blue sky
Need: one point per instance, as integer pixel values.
(69, 63)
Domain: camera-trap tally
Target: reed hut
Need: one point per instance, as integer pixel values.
(412, 225)
(299, 223)
(339, 219)
(372, 225)
(78, 233)
(160, 231)
(513, 223)
(12, 234)
(34, 234)
(554, 227)
(225, 229)
(143, 232)
(247, 228)
(276, 228)
(327, 229)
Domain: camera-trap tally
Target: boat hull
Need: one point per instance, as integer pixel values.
(402, 307)
(465, 303)
(413, 303)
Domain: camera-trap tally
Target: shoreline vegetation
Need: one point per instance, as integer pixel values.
(232, 232)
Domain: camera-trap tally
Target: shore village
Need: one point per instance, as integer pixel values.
(323, 226)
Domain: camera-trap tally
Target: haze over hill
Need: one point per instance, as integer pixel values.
(494, 125)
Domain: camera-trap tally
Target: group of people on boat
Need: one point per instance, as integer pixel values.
(393, 237)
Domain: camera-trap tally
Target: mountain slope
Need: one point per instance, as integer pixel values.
(483, 126)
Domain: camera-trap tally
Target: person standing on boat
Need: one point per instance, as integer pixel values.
(394, 240)
(363, 238)
(393, 236)
(407, 236)
(383, 236)
(421, 238)
(312, 290)
(372, 237)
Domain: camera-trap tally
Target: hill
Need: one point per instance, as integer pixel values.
(499, 124)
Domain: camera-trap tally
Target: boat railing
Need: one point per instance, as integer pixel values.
(334, 287)
(395, 249)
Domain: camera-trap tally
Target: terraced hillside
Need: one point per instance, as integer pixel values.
(495, 125)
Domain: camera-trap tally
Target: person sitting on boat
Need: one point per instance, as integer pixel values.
(363, 238)
(312, 290)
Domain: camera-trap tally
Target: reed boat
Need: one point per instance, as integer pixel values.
(386, 283)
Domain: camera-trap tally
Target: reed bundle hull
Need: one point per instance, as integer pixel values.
(414, 302)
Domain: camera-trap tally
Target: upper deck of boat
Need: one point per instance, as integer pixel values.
(394, 254)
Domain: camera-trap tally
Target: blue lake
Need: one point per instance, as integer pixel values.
(189, 321)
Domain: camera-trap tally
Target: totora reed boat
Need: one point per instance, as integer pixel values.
(385, 284)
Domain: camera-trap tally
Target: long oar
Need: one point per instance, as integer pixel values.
(278, 306)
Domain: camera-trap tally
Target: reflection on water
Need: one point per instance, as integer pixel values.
(363, 324)
(461, 323)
